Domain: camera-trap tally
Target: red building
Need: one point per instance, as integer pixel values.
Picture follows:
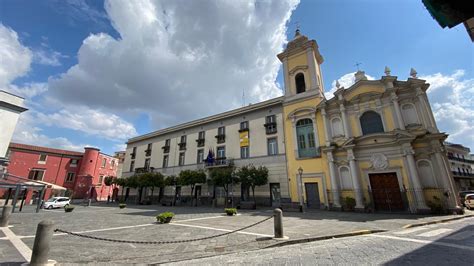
(80, 174)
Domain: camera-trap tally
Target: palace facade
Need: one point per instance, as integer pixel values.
(374, 146)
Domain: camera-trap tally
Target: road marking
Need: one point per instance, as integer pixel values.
(223, 230)
(461, 235)
(411, 230)
(96, 230)
(202, 218)
(435, 232)
(437, 243)
(22, 248)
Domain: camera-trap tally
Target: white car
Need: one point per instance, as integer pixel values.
(469, 201)
(56, 202)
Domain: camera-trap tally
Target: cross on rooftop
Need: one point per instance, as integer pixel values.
(357, 64)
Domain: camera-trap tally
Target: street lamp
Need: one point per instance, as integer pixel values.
(300, 188)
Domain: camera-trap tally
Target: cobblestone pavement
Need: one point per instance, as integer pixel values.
(449, 243)
(137, 223)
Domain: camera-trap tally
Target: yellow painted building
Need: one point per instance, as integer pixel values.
(373, 146)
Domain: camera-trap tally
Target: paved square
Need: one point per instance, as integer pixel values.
(138, 223)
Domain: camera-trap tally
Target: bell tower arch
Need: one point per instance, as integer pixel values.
(302, 67)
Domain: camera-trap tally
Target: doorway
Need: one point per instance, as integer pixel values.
(386, 192)
(312, 195)
(275, 194)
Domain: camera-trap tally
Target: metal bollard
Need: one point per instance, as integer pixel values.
(7, 211)
(43, 237)
(278, 223)
(89, 203)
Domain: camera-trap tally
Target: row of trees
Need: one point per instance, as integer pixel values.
(249, 176)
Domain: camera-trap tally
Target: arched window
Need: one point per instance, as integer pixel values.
(426, 174)
(300, 84)
(371, 122)
(305, 138)
(336, 126)
(346, 180)
(409, 114)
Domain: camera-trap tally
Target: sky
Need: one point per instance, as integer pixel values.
(96, 73)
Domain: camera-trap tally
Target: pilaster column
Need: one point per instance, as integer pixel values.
(355, 179)
(334, 184)
(285, 76)
(398, 113)
(312, 68)
(426, 110)
(415, 179)
(327, 136)
(347, 132)
(445, 171)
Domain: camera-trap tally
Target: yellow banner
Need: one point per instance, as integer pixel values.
(244, 139)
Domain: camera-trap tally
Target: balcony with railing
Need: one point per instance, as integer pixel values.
(220, 138)
(141, 170)
(166, 148)
(454, 158)
(462, 174)
(218, 162)
(182, 146)
(200, 142)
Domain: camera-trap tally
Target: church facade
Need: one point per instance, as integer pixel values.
(373, 146)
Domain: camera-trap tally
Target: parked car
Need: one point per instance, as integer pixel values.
(56, 202)
(469, 201)
(462, 196)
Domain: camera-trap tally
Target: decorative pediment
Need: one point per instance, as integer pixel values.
(303, 111)
(391, 138)
(296, 69)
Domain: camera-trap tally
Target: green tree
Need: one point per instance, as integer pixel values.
(191, 178)
(109, 180)
(251, 176)
(223, 177)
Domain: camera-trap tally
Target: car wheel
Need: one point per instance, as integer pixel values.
(50, 207)
(65, 206)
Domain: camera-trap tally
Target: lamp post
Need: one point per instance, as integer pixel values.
(300, 189)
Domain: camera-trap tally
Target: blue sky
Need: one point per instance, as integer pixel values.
(96, 73)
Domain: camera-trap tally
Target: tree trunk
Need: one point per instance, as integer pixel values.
(254, 199)
(152, 190)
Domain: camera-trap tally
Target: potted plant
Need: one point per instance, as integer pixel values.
(122, 205)
(230, 211)
(68, 208)
(349, 204)
(164, 217)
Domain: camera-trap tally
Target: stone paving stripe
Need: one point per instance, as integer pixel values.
(97, 230)
(461, 235)
(411, 230)
(22, 248)
(223, 230)
(202, 218)
(433, 242)
(435, 232)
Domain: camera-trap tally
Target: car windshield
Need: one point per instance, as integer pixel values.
(52, 199)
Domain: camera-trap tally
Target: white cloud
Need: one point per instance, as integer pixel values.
(15, 59)
(345, 81)
(179, 60)
(452, 102)
(90, 122)
(28, 90)
(27, 133)
(47, 57)
(120, 147)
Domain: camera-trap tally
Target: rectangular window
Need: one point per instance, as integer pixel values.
(221, 131)
(270, 124)
(104, 162)
(221, 152)
(74, 162)
(244, 125)
(165, 161)
(200, 156)
(42, 158)
(70, 177)
(148, 149)
(101, 178)
(147, 163)
(166, 148)
(183, 139)
(181, 159)
(36, 174)
(112, 163)
(134, 152)
(272, 146)
(182, 143)
(202, 135)
(244, 152)
(132, 166)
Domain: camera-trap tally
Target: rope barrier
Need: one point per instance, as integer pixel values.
(160, 242)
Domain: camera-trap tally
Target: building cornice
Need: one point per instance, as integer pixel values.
(210, 119)
(14, 107)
